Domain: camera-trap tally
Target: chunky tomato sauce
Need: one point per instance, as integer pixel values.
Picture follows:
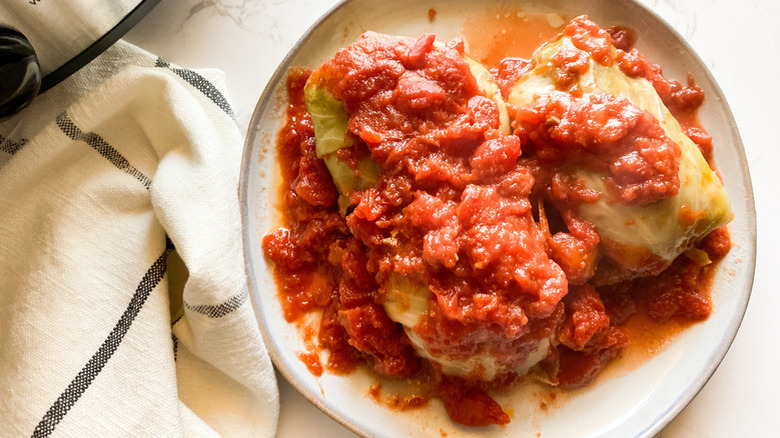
(483, 220)
(605, 134)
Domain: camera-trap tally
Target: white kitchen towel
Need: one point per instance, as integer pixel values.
(124, 308)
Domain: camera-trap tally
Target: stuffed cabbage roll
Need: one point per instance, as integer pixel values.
(642, 227)
(439, 107)
(330, 118)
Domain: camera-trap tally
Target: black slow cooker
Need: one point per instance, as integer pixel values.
(43, 42)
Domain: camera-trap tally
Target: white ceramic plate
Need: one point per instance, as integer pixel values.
(638, 403)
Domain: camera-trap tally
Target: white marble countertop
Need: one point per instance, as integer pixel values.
(247, 39)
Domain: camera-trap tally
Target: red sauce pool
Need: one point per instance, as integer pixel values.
(509, 32)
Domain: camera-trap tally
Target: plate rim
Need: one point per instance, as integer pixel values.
(247, 155)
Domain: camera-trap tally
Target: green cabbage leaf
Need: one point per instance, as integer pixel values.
(329, 118)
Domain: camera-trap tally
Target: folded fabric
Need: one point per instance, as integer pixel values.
(124, 308)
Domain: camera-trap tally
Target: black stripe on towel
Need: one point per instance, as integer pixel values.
(9, 146)
(175, 347)
(220, 310)
(175, 339)
(202, 85)
(97, 143)
(84, 378)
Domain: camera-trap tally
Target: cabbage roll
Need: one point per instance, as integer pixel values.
(636, 239)
(329, 117)
(405, 299)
